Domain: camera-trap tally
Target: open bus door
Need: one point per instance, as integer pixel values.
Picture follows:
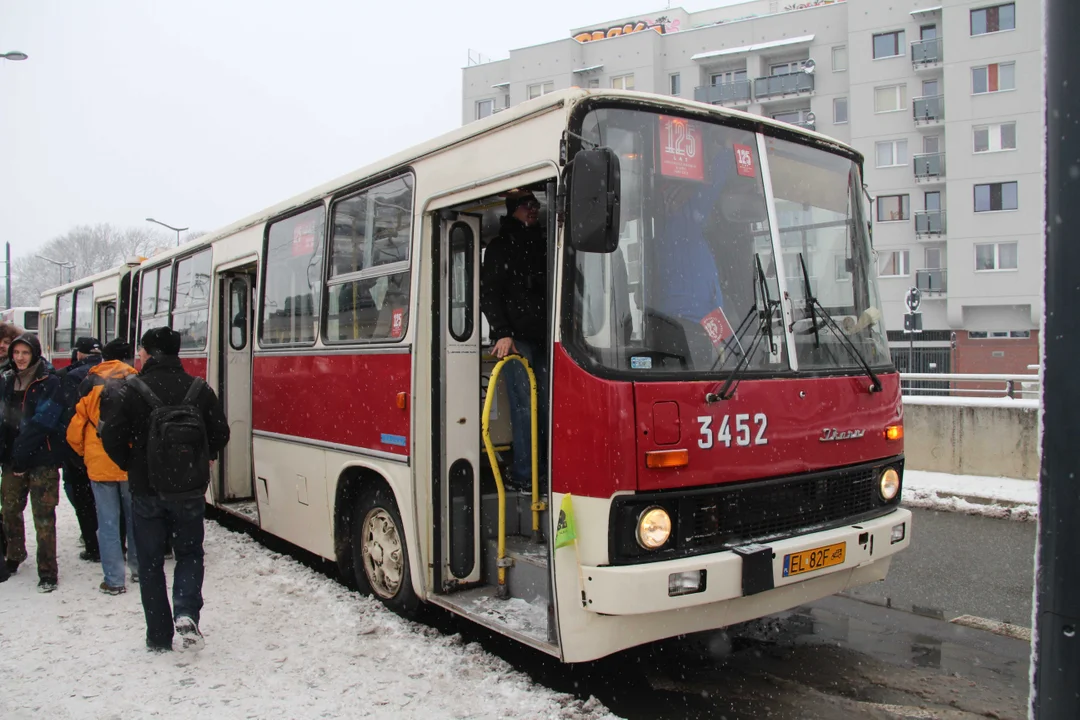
(235, 476)
(457, 489)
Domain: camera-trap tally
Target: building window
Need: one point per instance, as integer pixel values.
(992, 197)
(993, 19)
(893, 208)
(891, 153)
(794, 117)
(994, 138)
(839, 110)
(995, 256)
(890, 44)
(788, 68)
(484, 108)
(890, 98)
(931, 144)
(933, 258)
(993, 78)
(594, 83)
(839, 58)
(998, 334)
(675, 84)
(1019, 334)
(731, 76)
(539, 89)
(894, 264)
(623, 82)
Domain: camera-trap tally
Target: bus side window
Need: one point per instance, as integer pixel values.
(292, 279)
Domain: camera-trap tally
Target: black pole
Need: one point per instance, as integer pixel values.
(7, 275)
(1056, 691)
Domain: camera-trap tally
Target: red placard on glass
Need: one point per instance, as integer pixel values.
(397, 323)
(744, 160)
(681, 149)
(303, 238)
(717, 326)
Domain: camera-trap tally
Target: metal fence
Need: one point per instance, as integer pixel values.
(970, 385)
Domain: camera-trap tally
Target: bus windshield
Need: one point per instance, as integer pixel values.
(696, 283)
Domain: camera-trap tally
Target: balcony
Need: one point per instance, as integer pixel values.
(929, 110)
(805, 124)
(929, 168)
(736, 93)
(931, 282)
(930, 223)
(798, 83)
(926, 53)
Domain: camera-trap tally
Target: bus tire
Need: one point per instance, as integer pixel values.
(380, 554)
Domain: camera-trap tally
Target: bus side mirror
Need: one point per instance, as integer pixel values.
(593, 213)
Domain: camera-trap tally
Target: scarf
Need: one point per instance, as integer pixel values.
(23, 378)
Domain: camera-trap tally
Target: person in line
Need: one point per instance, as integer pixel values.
(8, 332)
(31, 406)
(86, 355)
(109, 483)
(127, 418)
(513, 297)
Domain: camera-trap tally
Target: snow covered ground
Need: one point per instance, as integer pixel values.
(282, 642)
(993, 497)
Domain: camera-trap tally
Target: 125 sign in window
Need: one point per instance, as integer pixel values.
(742, 429)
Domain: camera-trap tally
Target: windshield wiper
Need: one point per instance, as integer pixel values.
(727, 390)
(811, 304)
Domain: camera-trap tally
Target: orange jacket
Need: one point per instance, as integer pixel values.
(82, 432)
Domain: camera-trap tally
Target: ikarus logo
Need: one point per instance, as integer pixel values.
(833, 435)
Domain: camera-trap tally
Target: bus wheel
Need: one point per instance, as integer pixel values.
(380, 555)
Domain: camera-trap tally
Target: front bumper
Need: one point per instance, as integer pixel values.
(638, 589)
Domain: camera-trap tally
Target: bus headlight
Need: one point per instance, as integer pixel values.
(654, 528)
(889, 484)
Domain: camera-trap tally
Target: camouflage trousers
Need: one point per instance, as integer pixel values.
(42, 485)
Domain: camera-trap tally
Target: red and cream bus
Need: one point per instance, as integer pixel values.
(95, 306)
(25, 317)
(724, 414)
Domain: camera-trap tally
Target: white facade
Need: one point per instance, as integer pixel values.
(961, 66)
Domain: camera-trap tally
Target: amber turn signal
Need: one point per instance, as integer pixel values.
(894, 433)
(667, 458)
(402, 400)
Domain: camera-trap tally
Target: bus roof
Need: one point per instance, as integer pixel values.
(545, 103)
(89, 280)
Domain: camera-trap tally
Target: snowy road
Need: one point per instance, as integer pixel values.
(282, 641)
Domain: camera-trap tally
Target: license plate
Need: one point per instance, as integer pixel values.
(816, 559)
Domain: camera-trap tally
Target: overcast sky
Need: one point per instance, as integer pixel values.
(201, 112)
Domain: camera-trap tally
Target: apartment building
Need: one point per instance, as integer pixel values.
(943, 97)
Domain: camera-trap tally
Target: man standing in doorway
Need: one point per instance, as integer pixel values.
(513, 297)
(134, 428)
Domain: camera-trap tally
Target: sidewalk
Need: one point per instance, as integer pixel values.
(282, 641)
(995, 497)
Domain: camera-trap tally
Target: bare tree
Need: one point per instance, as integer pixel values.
(86, 250)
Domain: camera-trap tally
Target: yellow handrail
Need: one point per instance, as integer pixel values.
(537, 506)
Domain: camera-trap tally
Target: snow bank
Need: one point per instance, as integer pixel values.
(974, 495)
(282, 641)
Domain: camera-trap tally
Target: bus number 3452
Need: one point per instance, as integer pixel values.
(742, 428)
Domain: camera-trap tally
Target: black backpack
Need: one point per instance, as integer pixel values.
(177, 449)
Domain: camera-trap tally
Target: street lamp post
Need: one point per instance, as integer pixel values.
(62, 265)
(170, 227)
(14, 55)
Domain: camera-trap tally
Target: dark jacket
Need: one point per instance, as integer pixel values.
(32, 435)
(71, 378)
(125, 417)
(513, 282)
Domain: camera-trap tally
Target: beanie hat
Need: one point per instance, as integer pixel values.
(116, 349)
(87, 345)
(516, 199)
(161, 341)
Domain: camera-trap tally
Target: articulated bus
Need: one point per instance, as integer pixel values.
(95, 306)
(725, 432)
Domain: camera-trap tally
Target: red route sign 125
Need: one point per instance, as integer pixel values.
(680, 149)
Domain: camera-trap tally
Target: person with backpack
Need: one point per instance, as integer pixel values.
(31, 404)
(164, 428)
(86, 355)
(109, 483)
